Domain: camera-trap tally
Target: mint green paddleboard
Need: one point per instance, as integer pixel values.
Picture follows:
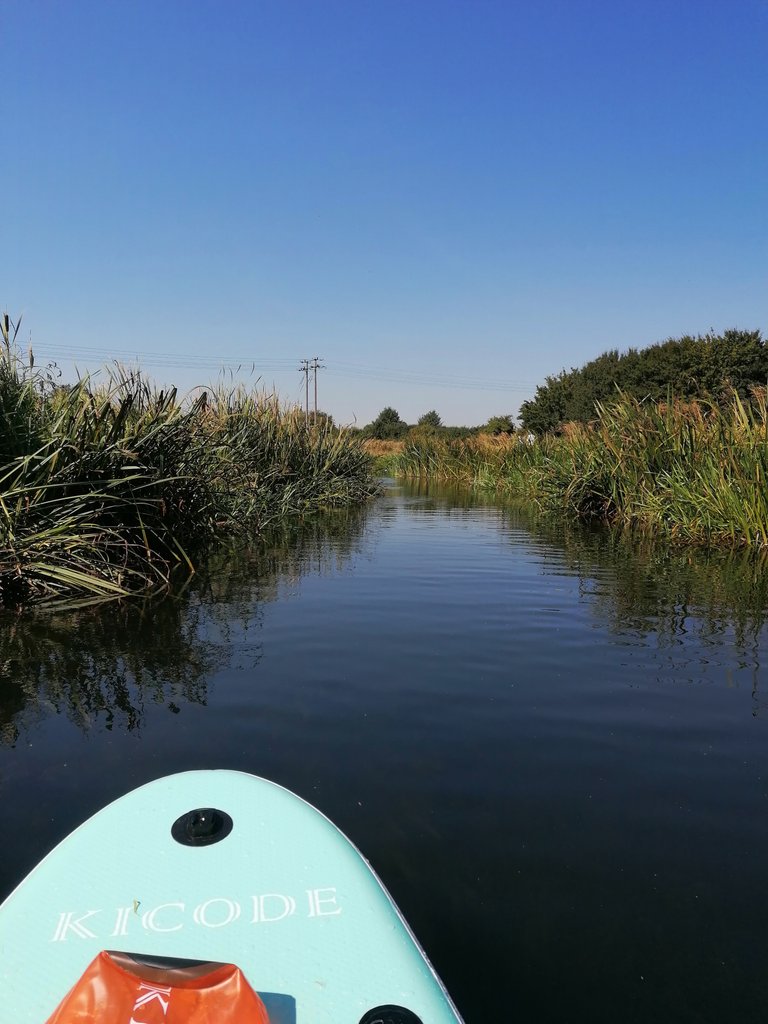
(219, 866)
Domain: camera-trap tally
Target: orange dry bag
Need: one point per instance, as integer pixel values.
(115, 989)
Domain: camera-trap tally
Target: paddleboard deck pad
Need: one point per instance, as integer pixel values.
(211, 868)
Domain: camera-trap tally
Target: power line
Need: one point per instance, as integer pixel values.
(368, 369)
(186, 360)
(432, 381)
(354, 371)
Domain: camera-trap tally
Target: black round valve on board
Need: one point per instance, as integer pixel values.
(201, 827)
(390, 1015)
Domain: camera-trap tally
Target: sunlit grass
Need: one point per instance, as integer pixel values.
(106, 487)
(695, 471)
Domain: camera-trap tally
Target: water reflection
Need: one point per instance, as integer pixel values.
(635, 582)
(684, 606)
(106, 663)
(690, 603)
(87, 665)
(640, 584)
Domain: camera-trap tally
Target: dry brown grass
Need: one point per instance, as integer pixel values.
(374, 446)
(484, 441)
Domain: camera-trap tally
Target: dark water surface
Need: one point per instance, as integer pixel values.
(552, 744)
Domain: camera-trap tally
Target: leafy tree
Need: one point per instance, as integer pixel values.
(430, 419)
(687, 368)
(547, 410)
(500, 425)
(387, 425)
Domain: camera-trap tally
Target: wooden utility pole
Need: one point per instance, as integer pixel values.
(304, 368)
(315, 367)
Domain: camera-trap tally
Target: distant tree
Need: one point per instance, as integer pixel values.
(324, 419)
(687, 368)
(387, 425)
(500, 425)
(430, 419)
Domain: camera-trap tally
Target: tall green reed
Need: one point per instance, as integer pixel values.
(697, 472)
(106, 486)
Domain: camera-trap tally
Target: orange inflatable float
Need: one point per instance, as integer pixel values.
(118, 989)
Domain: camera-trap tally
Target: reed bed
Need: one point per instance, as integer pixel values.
(696, 472)
(106, 487)
(482, 461)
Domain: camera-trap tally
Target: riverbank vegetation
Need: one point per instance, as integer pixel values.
(710, 366)
(694, 471)
(108, 484)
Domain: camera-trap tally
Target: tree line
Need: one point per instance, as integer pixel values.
(709, 365)
(388, 426)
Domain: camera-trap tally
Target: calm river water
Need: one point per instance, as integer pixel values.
(552, 744)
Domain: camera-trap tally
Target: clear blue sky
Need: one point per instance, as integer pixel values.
(447, 201)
